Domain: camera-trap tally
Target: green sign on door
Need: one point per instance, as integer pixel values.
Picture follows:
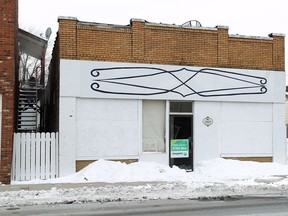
(179, 148)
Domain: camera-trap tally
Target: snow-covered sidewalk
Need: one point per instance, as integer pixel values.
(105, 181)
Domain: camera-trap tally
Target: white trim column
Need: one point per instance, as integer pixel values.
(206, 137)
(67, 136)
(279, 134)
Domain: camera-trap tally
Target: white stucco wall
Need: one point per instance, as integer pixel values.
(206, 140)
(101, 117)
(92, 79)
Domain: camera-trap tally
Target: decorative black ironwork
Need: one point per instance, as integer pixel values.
(147, 81)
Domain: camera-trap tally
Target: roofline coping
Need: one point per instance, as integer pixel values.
(179, 26)
(137, 20)
(276, 35)
(222, 27)
(66, 18)
(104, 25)
(250, 37)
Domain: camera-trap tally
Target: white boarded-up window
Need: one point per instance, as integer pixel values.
(107, 128)
(153, 128)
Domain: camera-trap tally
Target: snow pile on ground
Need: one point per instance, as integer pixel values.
(217, 170)
(221, 170)
(110, 171)
(145, 180)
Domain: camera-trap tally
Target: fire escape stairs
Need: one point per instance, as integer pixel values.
(27, 109)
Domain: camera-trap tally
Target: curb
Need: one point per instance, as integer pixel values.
(33, 187)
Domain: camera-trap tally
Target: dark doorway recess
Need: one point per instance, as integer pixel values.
(181, 127)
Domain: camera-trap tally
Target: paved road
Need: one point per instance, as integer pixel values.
(252, 206)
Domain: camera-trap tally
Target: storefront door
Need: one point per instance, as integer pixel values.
(181, 135)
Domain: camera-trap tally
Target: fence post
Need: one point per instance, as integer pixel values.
(28, 157)
(33, 156)
(22, 156)
(38, 156)
(47, 156)
(53, 156)
(16, 158)
(57, 154)
(42, 163)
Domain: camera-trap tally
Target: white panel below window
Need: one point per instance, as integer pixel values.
(247, 138)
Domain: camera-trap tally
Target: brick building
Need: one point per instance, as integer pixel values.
(8, 68)
(132, 92)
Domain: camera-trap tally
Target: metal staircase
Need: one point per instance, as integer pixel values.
(32, 51)
(28, 109)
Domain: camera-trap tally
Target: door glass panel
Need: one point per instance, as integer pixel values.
(180, 107)
(181, 127)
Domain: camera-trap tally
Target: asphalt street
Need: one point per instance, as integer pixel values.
(264, 205)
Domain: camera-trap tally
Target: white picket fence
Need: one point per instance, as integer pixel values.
(35, 156)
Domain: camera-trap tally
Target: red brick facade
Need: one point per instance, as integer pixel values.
(145, 42)
(8, 67)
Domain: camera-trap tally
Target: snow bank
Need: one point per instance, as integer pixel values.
(221, 170)
(214, 178)
(109, 171)
(217, 170)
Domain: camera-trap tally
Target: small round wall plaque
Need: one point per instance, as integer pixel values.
(207, 121)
